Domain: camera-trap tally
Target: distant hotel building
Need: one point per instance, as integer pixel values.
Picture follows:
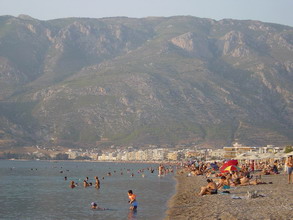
(236, 149)
(270, 149)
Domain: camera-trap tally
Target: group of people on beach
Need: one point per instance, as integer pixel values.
(228, 180)
(246, 174)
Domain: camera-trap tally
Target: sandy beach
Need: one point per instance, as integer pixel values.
(277, 202)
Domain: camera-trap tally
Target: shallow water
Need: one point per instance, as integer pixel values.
(37, 190)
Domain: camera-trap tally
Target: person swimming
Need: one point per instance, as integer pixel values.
(132, 200)
(95, 206)
(72, 184)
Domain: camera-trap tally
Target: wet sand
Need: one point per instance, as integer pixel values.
(277, 202)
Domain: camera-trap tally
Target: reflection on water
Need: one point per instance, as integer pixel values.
(38, 190)
(132, 214)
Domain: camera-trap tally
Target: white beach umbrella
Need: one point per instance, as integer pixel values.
(254, 157)
(244, 156)
(279, 155)
(241, 157)
(267, 156)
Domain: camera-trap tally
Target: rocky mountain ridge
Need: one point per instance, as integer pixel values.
(165, 81)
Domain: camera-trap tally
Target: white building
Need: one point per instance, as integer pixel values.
(159, 154)
(270, 149)
(219, 153)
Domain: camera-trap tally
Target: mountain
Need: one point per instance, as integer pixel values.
(166, 81)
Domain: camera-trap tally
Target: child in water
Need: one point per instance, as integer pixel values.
(132, 200)
(95, 206)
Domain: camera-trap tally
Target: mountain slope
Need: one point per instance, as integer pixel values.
(174, 80)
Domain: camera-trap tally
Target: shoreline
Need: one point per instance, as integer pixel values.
(98, 161)
(276, 202)
(171, 202)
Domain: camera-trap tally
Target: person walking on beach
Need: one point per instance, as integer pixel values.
(289, 165)
(132, 200)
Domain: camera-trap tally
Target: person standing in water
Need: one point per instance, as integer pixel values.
(85, 184)
(97, 184)
(161, 170)
(132, 200)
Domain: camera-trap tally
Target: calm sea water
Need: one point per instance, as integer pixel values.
(37, 190)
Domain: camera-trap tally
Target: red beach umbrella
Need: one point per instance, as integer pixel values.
(229, 163)
(230, 168)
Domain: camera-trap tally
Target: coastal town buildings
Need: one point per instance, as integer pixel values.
(217, 154)
(173, 156)
(152, 153)
(169, 154)
(270, 149)
(237, 149)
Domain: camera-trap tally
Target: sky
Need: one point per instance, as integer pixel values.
(274, 11)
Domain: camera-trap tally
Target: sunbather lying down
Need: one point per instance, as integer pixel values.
(244, 181)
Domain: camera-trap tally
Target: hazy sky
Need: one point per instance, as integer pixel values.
(275, 11)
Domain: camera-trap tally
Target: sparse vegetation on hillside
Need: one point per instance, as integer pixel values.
(145, 81)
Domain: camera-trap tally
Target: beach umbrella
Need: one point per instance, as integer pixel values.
(267, 156)
(253, 157)
(279, 155)
(241, 157)
(214, 166)
(247, 156)
(229, 163)
(231, 168)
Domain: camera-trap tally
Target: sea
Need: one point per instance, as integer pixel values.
(38, 190)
